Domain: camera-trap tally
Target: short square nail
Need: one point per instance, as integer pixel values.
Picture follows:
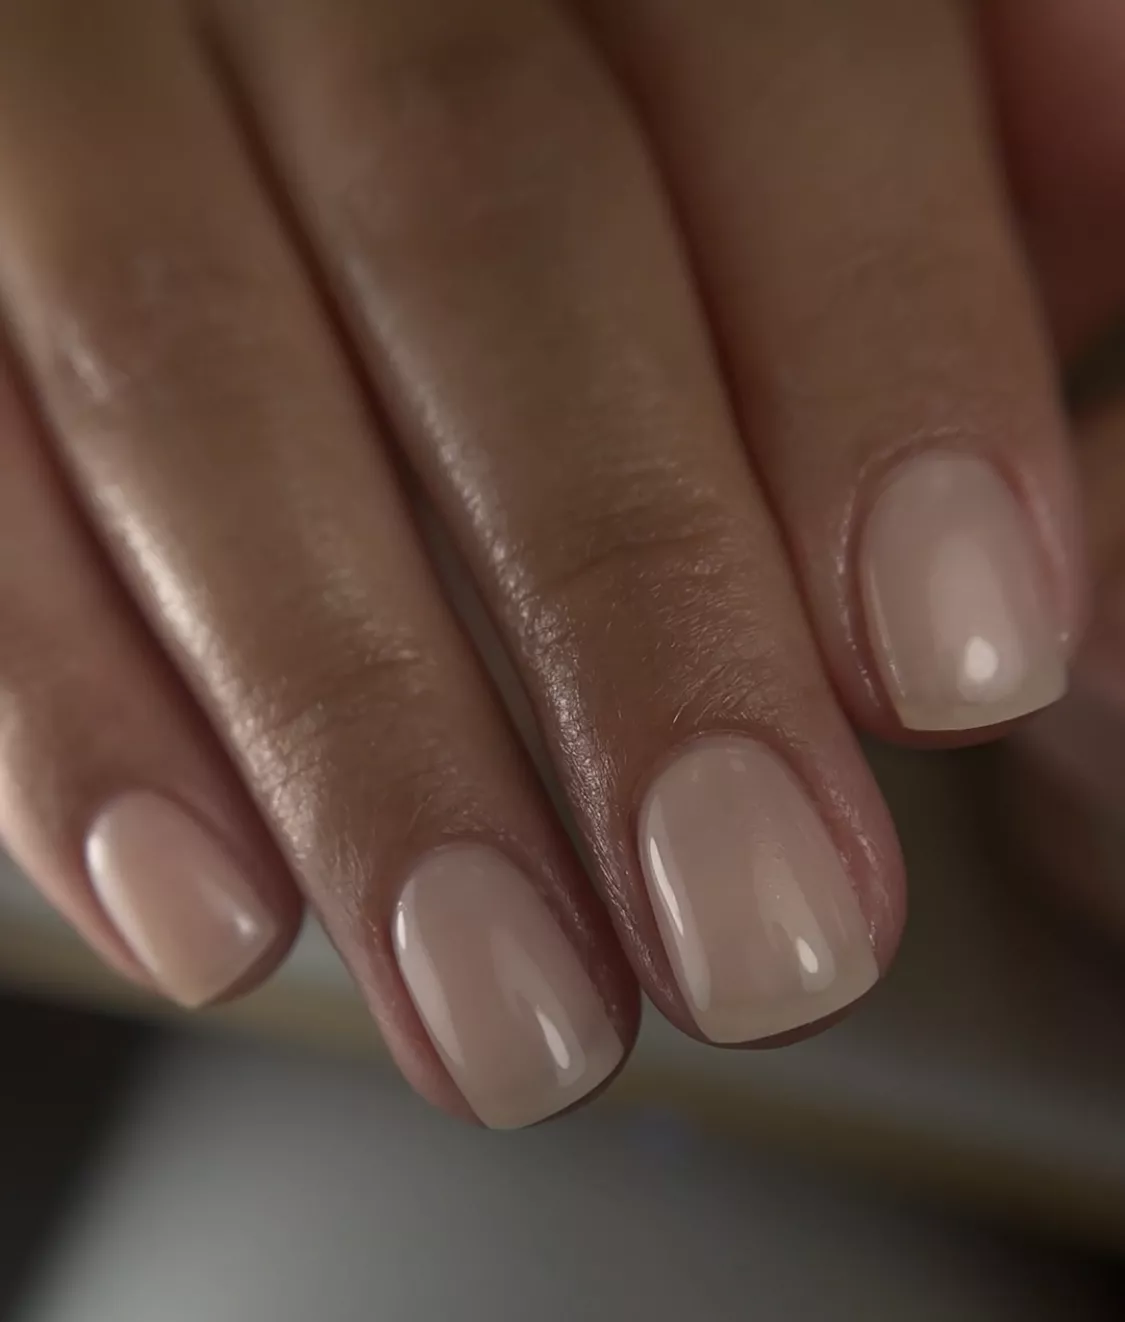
(956, 598)
(181, 904)
(503, 994)
(761, 923)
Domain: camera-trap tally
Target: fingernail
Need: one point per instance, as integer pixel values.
(501, 991)
(761, 923)
(955, 596)
(177, 898)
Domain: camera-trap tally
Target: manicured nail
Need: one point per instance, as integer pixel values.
(956, 598)
(501, 991)
(761, 923)
(177, 898)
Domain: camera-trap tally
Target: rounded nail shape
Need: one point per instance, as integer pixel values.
(761, 923)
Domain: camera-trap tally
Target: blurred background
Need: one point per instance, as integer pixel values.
(955, 1150)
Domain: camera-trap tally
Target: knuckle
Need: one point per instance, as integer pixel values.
(659, 609)
(665, 555)
(334, 717)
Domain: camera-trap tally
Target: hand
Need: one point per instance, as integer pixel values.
(709, 337)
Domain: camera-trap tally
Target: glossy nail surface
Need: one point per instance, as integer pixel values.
(179, 901)
(501, 991)
(956, 599)
(761, 923)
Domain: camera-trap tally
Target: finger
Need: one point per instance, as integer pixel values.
(114, 795)
(882, 340)
(1057, 72)
(206, 419)
(1101, 459)
(486, 211)
(1063, 780)
(1057, 77)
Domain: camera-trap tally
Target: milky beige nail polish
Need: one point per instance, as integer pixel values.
(761, 923)
(179, 901)
(501, 991)
(956, 598)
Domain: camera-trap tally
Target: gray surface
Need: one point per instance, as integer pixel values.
(249, 1186)
(999, 1031)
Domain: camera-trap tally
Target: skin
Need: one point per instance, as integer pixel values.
(1056, 84)
(642, 308)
